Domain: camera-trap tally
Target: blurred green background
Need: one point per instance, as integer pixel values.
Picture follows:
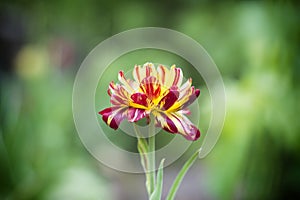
(256, 46)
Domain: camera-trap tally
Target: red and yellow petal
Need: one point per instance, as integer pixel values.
(139, 100)
(183, 102)
(150, 87)
(177, 123)
(169, 99)
(191, 98)
(113, 116)
(135, 114)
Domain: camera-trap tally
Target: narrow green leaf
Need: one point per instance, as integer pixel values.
(180, 176)
(156, 195)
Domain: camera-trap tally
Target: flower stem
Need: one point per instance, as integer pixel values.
(180, 176)
(147, 154)
(143, 149)
(151, 154)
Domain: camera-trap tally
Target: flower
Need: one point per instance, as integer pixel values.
(154, 90)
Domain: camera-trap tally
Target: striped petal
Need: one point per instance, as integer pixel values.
(184, 88)
(135, 114)
(166, 123)
(119, 96)
(177, 123)
(185, 111)
(113, 116)
(111, 88)
(169, 78)
(127, 83)
(150, 87)
(139, 73)
(139, 100)
(191, 98)
(169, 99)
(175, 76)
(163, 73)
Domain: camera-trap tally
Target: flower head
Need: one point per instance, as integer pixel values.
(154, 90)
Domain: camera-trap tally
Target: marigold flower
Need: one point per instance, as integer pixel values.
(154, 90)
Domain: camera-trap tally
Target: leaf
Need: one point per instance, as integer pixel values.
(180, 176)
(156, 195)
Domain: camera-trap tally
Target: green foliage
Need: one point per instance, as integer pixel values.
(156, 194)
(180, 176)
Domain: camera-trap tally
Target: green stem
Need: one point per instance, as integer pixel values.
(147, 154)
(180, 176)
(151, 154)
(143, 149)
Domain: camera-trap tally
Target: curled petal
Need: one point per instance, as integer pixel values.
(191, 98)
(178, 123)
(113, 116)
